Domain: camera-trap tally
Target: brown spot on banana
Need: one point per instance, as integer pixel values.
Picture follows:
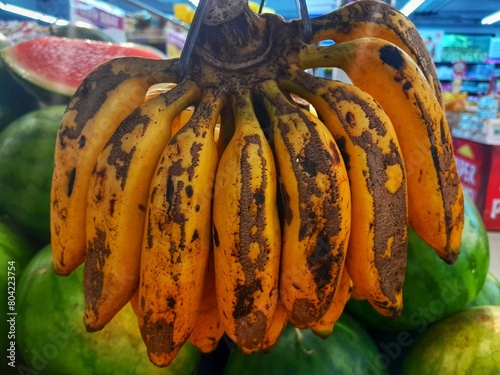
(361, 122)
(93, 92)
(97, 254)
(321, 205)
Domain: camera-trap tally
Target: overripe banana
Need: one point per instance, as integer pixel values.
(376, 257)
(435, 209)
(117, 201)
(369, 18)
(324, 327)
(278, 324)
(317, 208)
(246, 231)
(177, 236)
(208, 329)
(106, 96)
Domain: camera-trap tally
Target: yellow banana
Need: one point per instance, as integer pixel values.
(376, 257)
(246, 231)
(372, 18)
(117, 200)
(106, 96)
(435, 198)
(177, 237)
(317, 208)
(208, 329)
(278, 324)
(325, 325)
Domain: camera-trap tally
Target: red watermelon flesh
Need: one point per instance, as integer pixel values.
(60, 64)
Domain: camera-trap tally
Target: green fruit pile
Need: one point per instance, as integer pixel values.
(53, 339)
(465, 343)
(26, 161)
(348, 350)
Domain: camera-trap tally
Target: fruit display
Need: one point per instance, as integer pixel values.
(348, 350)
(464, 343)
(299, 206)
(64, 346)
(489, 294)
(15, 253)
(26, 164)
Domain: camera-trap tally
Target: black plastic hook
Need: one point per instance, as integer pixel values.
(191, 38)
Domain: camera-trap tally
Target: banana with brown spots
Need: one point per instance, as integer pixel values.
(208, 329)
(317, 208)
(106, 96)
(246, 231)
(177, 236)
(391, 77)
(117, 200)
(326, 324)
(376, 255)
(373, 18)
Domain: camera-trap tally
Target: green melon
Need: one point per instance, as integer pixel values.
(52, 68)
(52, 337)
(348, 350)
(433, 289)
(15, 253)
(464, 343)
(489, 294)
(26, 162)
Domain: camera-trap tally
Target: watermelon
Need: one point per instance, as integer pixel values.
(26, 163)
(348, 350)
(15, 253)
(467, 342)
(53, 68)
(489, 294)
(53, 340)
(433, 289)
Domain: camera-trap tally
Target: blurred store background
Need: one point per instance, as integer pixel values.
(463, 37)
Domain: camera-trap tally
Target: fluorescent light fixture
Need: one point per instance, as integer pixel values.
(28, 13)
(410, 7)
(492, 18)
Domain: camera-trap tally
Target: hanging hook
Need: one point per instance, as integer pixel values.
(306, 20)
(261, 7)
(191, 38)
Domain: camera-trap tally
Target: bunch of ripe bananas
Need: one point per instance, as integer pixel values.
(276, 199)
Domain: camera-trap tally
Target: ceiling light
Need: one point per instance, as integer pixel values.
(410, 6)
(27, 13)
(492, 18)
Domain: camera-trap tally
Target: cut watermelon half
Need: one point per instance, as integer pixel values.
(59, 65)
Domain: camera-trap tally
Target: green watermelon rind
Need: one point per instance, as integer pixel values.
(489, 294)
(53, 340)
(348, 350)
(27, 148)
(467, 342)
